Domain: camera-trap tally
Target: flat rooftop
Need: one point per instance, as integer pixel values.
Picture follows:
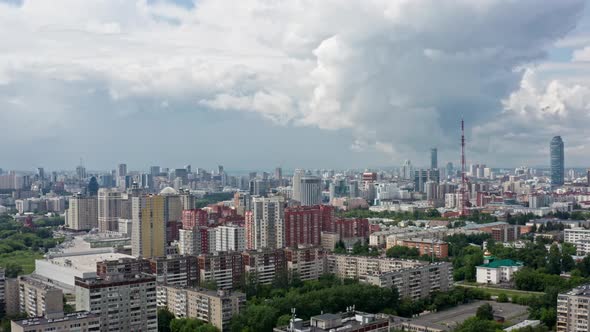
(85, 263)
(449, 319)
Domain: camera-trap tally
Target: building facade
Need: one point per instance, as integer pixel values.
(122, 303)
(556, 151)
(109, 209)
(82, 213)
(38, 299)
(265, 223)
(230, 238)
(573, 310)
(148, 237)
(214, 307)
(303, 226)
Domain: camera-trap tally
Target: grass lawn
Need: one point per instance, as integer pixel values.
(24, 258)
(497, 291)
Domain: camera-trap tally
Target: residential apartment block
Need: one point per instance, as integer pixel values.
(215, 307)
(122, 303)
(38, 299)
(573, 310)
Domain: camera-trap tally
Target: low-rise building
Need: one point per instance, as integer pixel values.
(416, 282)
(438, 248)
(81, 321)
(349, 321)
(497, 271)
(214, 307)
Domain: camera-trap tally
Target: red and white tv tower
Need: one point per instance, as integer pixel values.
(463, 191)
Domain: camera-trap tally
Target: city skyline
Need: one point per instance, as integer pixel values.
(256, 97)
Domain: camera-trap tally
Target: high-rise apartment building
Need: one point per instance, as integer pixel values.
(557, 161)
(194, 218)
(82, 213)
(225, 269)
(310, 190)
(122, 303)
(175, 270)
(109, 209)
(573, 310)
(307, 263)
(122, 170)
(230, 238)
(148, 237)
(214, 307)
(196, 241)
(303, 226)
(38, 299)
(264, 265)
(265, 223)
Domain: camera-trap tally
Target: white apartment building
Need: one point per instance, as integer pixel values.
(121, 303)
(265, 223)
(573, 314)
(230, 238)
(574, 235)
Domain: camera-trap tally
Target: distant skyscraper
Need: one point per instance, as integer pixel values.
(81, 172)
(433, 158)
(279, 174)
(310, 190)
(40, 172)
(406, 171)
(299, 173)
(557, 161)
(450, 168)
(122, 170)
(154, 170)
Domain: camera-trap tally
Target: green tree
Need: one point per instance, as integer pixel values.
(12, 270)
(485, 312)
(284, 320)
(165, 317)
(502, 297)
(474, 324)
(554, 260)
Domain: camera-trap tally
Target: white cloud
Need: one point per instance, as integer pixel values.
(398, 75)
(537, 111)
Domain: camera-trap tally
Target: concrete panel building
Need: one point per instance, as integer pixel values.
(214, 307)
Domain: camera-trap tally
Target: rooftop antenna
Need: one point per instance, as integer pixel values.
(463, 189)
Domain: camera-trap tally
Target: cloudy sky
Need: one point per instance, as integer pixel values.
(252, 84)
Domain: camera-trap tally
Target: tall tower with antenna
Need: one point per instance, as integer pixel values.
(463, 190)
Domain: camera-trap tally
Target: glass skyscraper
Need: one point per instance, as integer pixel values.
(557, 161)
(433, 158)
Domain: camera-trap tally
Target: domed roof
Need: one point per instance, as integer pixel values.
(487, 253)
(168, 191)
